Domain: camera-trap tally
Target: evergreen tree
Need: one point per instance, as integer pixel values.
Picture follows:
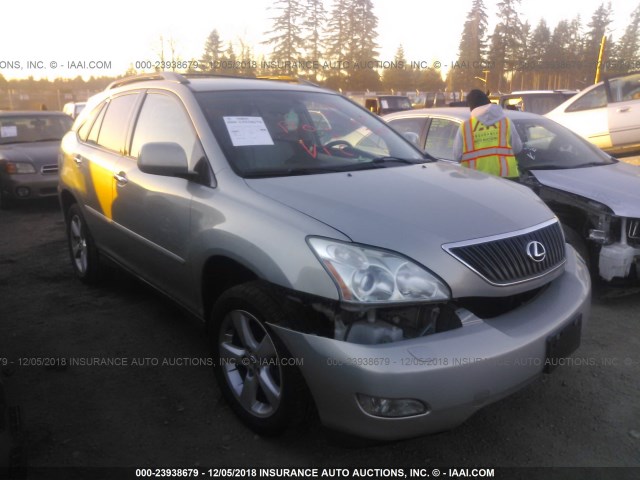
(398, 79)
(362, 46)
(505, 44)
(472, 49)
(286, 35)
(629, 44)
(212, 51)
(313, 25)
(600, 20)
(335, 41)
(536, 65)
(351, 45)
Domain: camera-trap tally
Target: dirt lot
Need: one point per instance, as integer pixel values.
(148, 415)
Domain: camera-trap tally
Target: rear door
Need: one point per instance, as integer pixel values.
(102, 141)
(624, 111)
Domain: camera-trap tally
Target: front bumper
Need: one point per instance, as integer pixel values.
(455, 373)
(38, 185)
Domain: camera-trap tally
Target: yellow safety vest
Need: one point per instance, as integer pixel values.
(488, 148)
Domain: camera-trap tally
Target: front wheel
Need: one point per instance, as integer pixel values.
(84, 255)
(257, 376)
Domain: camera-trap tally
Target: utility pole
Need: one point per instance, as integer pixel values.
(600, 58)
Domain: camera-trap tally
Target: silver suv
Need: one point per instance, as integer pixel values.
(336, 267)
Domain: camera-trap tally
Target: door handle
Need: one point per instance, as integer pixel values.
(77, 159)
(121, 178)
(623, 109)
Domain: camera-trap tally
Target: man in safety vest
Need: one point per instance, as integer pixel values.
(488, 141)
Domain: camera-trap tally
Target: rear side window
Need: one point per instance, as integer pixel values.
(83, 131)
(626, 88)
(116, 120)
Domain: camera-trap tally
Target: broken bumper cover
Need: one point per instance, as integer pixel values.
(452, 373)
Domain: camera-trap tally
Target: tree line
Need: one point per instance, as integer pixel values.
(517, 56)
(337, 47)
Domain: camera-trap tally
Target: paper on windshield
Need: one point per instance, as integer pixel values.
(9, 131)
(247, 131)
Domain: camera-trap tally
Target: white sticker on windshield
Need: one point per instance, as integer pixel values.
(384, 103)
(247, 131)
(8, 131)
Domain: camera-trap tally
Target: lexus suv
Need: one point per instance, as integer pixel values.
(393, 294)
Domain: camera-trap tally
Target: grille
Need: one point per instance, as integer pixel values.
(49, 169)
(507, 259)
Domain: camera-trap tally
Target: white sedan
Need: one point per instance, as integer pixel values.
(607, 114)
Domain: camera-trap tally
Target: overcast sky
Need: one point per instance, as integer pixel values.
(121, 32)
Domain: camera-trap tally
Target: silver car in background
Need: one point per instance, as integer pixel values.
(29, 146)
(596, 197)
(393, 294)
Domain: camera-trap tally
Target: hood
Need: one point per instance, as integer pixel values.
(617, 185)
(488, 114)
(43, 153)
(413, 210)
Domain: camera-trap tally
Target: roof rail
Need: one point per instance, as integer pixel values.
(170, 76)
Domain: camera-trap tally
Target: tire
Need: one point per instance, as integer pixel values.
(267, 395)
(577, 242)
(85, 259)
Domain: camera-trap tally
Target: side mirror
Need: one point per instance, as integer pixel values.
(412, 137)
(163, 158)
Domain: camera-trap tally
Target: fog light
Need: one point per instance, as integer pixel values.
(23, 192)
(391, 407)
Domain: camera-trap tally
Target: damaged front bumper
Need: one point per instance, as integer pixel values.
(451, 374)
(616, 259)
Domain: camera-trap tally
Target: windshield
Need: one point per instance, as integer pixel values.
(548, 145)
(34, 128)
(278, 133)
(395, 103)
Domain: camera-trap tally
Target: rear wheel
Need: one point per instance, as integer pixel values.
(84, 255)
(252, 366)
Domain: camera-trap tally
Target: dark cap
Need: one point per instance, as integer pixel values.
(477, 98)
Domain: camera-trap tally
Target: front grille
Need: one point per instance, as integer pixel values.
(49, 169)
(514, 257)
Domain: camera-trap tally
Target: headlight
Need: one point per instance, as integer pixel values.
(19, 167)
(368, 275)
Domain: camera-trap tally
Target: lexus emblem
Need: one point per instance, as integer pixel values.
(536, 251)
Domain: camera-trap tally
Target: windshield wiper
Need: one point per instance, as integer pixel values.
(404, 161)
(289, 172)
(592, 164)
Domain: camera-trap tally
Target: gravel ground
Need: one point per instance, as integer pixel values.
(145, 415)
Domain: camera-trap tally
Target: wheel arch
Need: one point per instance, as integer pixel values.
(219, 274)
